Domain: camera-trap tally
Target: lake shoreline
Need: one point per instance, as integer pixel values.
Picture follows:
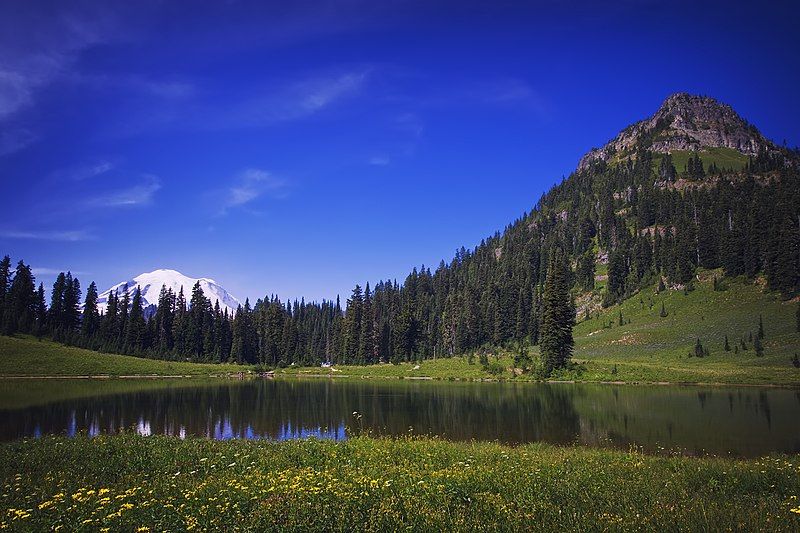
(290, 376)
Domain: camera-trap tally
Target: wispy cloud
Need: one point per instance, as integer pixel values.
(84, 172)
(137, 195)
(379, 161)
(56, 236)
(291, 100)
(35, 50)
(251, 185)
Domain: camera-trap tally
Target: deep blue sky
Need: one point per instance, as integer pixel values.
(298, 150)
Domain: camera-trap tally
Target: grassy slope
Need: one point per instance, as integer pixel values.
(724, 158)
(652, 348)
(125, 482)
(27, 356)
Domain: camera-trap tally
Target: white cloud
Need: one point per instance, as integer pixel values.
(250, 185)
(58, 236)
(136, 195)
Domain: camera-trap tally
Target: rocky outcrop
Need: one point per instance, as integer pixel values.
(685, 122)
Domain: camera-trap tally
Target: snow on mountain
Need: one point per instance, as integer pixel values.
(150, 284)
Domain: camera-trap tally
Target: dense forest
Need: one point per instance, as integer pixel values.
(640, 218)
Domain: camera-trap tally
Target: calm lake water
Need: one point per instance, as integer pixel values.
(741, 421)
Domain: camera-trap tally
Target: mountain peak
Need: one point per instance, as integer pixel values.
(685, 122)
(150, 284)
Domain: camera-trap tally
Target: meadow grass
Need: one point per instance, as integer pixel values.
(28, 356)
(132, 483)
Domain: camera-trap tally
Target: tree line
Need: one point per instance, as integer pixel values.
(642, 218)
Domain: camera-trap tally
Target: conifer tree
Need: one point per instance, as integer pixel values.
(760, 327)
(5, 283)
(56, 311)
(698, 349)
(73, 304)
(353, 324)
(21, 301)
(366, 350)
(123, 308)
(558, 316)
(758, 346)
(135, 332)
(727, 346)
(91, 317)
(41, 311)
(179, 324)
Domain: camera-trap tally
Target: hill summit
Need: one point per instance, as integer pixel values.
(685, 122)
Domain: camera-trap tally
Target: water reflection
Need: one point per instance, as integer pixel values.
(738, 421)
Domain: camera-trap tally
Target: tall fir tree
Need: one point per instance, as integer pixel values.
(558, 316)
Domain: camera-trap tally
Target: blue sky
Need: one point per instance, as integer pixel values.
(300, 147)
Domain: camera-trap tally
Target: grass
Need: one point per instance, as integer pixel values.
(654, 348)
(28, 356)
(133, 483)
(724, 158)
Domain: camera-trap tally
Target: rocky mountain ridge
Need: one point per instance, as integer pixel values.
(685, 122)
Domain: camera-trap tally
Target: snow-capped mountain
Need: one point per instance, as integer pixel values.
(150, 284)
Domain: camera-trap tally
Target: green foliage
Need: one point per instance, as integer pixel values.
(558, 316)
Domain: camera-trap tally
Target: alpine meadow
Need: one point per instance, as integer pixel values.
(622, 356)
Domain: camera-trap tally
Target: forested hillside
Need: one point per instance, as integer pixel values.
(693, 187)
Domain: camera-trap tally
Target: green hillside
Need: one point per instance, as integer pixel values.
(27, 356)
(648, 347)
(655, 348)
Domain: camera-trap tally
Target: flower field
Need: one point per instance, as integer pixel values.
(133, 483)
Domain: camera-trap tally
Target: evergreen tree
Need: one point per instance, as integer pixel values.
(5, 283)
(91, 318)
(758, 346)
(558, 316)
(21, 301)
(760, 327)
(727, 346)
(366, 351)
(352, 337)
(698, 349)
(196, 322)
(41, 312)
(57, 312)
(72, 304)
(179, 324)
(135, 332)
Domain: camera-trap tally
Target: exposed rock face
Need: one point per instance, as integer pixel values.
(686, 122)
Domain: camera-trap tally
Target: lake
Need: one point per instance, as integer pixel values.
(694, 420)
